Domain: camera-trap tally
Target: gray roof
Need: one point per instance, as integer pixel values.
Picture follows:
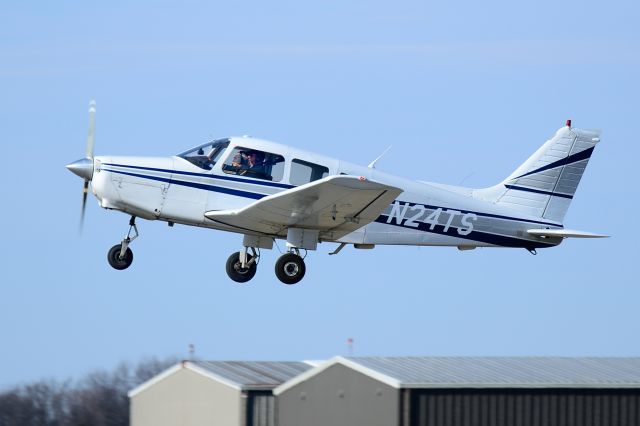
(254, 374)
(433, 372)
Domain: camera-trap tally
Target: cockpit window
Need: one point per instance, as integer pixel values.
(205, 156)
(254, 163)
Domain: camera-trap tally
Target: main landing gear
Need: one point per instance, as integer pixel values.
(242, 265)
(290, 267)
(120, 256)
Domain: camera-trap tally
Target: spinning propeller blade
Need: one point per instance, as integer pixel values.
(92, 129)
(85, 190)
(84, 166)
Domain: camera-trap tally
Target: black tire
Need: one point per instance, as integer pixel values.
(114, 258)
(236, 272)
(290, 268)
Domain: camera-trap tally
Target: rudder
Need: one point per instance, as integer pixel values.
(545, 184)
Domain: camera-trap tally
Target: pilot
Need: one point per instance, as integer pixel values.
(251, 162)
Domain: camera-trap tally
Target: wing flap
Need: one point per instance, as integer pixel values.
(335, 205)
(564, 233)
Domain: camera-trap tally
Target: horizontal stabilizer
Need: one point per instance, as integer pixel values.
(564, 233)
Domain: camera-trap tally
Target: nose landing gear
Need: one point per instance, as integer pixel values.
(120, 256)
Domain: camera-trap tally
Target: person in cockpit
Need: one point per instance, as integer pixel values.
(249, 163)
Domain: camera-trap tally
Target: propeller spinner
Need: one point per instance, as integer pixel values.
(84, 166)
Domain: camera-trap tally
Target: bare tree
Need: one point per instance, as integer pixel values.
(39, 403)
(99, 399)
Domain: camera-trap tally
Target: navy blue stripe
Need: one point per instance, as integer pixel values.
(574, 158)
(205, 175)
(256, 196)
(539, 191)
(213, 188)
(483, 237)
(495, 216)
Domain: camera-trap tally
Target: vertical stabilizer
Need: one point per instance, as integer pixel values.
(545, 184)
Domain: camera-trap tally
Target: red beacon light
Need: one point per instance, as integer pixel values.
(569, 123)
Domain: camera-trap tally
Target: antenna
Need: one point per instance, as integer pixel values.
(192, 351)
(350, 346)
(372, 165)
(465, 178)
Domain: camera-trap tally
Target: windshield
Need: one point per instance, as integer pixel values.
(205, 156)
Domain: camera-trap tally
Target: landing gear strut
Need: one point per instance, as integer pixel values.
(290, 267)
(120, 256)
(242, 266)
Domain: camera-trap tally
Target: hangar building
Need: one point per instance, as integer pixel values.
(430, 391)
(195, 393)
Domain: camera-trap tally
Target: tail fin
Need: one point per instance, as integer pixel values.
(545, 184)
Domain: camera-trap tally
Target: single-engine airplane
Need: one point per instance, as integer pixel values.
(267, 191)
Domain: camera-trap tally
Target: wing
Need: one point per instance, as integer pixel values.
(335, 205)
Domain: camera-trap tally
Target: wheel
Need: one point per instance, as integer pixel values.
(235, 270)
(290, 268)
(114, 257)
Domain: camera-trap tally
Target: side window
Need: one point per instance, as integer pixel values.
(254, 163)
(304, 172)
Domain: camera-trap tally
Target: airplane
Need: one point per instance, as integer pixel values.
(267, 191)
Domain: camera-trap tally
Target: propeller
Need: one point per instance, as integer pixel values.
(84, 166)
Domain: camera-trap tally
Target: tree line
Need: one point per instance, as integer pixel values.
(98, 399)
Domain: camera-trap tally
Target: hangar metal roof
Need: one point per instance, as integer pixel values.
(506, 371)
(488, 372)
(254, 374)
(240, 375)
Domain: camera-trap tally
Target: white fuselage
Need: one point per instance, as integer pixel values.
(176, 190)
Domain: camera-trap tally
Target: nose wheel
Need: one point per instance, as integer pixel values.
(117, 260)
(290, 268)
(120, 256)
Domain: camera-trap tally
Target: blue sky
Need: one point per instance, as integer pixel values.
(463, 91)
